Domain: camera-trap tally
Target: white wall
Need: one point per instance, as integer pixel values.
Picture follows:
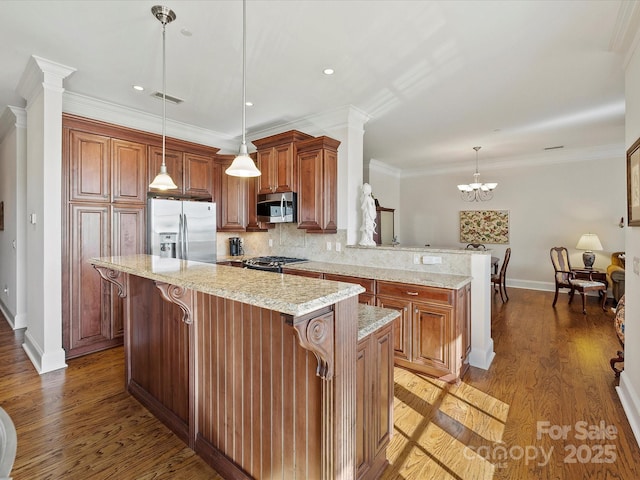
(385, 186)
(12, 194)
(549, 205)
(629, 389)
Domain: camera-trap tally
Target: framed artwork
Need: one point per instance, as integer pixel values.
(633, 185)
(1, 216)
(484, 226)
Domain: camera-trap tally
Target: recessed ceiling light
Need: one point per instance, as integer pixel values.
(328, 71)
(186, 32)
(249, 104)
(139, 88)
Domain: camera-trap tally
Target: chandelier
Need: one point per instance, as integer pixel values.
(476, 191)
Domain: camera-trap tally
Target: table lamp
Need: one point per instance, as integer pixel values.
(589, 242)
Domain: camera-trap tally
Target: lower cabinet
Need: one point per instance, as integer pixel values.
(432, 334)
(374, 398)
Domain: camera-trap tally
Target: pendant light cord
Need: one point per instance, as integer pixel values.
(244, 70)
(164, 91)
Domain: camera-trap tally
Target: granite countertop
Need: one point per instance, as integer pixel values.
(441, 280)
(288, 294)
(372, 318)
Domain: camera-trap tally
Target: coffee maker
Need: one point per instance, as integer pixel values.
(235, 246)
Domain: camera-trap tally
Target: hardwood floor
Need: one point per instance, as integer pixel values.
(551, 366)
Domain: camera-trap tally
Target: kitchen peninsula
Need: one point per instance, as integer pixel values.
(258, 372)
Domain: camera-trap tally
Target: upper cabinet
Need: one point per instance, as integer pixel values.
(231, 205)
(277, 161)
(192, 173)
(128, 171)
(317, 184)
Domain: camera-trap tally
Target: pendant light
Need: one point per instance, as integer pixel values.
(242, 165)
(163, 181)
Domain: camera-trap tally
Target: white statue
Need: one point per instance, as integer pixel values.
(368, 207)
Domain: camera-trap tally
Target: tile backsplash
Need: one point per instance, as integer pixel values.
(288, 240)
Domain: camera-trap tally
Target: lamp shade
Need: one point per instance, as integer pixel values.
(590, 242)
(242, 165)
(163, 181)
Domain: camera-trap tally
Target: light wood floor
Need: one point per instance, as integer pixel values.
(551, 366)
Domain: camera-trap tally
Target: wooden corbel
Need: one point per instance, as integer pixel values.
(316, 334)
(180, 296)
(117, 278)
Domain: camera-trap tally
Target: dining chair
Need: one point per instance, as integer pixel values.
(499, 279)
(565, 278)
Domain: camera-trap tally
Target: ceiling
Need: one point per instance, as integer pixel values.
(436, 77)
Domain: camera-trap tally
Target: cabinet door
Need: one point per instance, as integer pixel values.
(173, 160)
(128, 171)
(253, 225)
(89, 319)
(232, 210)
(128, 233)
(285, 168)
(382, 384)
(310, 190)
(267, 181)
(401, 326)
(198, 175)
(89, 167)
(432, 337)
(364, 404)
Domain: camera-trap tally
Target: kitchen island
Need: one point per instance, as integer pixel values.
(256, 371)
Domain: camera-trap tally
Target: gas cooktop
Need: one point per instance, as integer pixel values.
(272, 261)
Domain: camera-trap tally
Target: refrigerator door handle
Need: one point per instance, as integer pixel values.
(180, 239)
(186, 237)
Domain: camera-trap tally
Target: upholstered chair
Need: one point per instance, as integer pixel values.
(615, 274)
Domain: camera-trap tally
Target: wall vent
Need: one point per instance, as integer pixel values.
(169, 98)
(546, 148)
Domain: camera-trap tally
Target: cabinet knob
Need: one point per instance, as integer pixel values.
(406, 309)
(416, 310)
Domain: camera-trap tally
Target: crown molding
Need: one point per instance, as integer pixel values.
(12, 117)
(41, 73)
(90, 107)
(556, 157)
(625, 31)
(320, 123)
(384, 168)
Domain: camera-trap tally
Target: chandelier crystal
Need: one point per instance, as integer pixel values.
(476, 191)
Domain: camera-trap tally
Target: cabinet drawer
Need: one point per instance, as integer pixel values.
(416, 292)
(367, 283)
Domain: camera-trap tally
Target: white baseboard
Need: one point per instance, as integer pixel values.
(630, 403)
(43, 362)
(482, 358)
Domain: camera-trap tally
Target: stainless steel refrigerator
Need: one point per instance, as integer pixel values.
(181, 229)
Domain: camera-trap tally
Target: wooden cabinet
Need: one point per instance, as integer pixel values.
(192, 173)
(128, 171)
(89, 167)
(368, 297)
(374, 399)
(433, 331)
(317, 184)
(107, 170)
(384, 233)
(276, 160)
(231, 205)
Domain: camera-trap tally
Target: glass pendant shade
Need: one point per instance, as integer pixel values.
(163, 180)
(242, 165)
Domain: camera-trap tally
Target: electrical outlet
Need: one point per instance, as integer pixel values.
(271, 242)
(338, 247)
(328, 245)
(636, 265)
(416, 258)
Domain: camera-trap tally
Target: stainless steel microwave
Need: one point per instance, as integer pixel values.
(277, 207)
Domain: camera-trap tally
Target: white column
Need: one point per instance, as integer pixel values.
(41, 86)
(482, 352)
